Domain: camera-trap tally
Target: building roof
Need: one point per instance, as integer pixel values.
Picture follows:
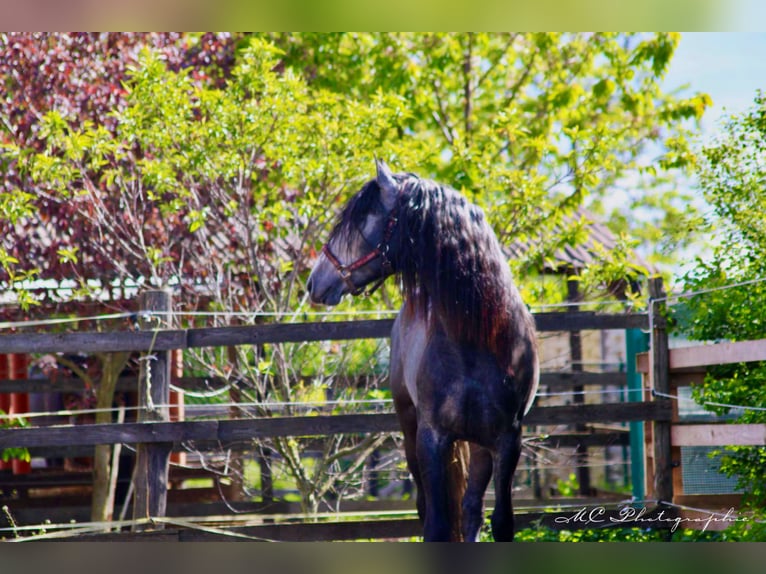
(570, 258)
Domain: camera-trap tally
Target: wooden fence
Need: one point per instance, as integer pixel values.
(159, 436)
(687, 366)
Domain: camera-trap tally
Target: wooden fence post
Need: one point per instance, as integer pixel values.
(151, 471)
(660, 370)
(575, 349)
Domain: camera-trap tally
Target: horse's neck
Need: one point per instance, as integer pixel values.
(418, 308)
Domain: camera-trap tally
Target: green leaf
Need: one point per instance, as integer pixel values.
(68, 254)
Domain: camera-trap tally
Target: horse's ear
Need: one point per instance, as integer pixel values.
(389, 190)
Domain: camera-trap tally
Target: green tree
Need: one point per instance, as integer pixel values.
(732, 171)
(532, 126)
(81, 75)
(222, 192)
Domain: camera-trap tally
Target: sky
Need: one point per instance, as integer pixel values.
(728, 66)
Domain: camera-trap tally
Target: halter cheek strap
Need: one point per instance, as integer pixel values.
(345, 270)
(380, 250)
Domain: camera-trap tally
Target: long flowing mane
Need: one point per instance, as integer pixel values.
(450, 261)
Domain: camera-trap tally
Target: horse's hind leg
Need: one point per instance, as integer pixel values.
(506, 457)
(479, 473)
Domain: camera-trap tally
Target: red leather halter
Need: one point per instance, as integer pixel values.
(380, 250)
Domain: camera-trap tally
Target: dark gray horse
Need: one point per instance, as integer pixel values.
(464, 365)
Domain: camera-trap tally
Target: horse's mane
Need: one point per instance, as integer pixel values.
(364, 201)
(450, 261)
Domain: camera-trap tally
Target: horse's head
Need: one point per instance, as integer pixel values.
(358, 252)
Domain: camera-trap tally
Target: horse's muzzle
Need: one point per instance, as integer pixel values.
(324, 293)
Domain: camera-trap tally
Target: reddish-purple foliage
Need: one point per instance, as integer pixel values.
(82, 76)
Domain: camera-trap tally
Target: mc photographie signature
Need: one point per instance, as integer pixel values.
(637, 516)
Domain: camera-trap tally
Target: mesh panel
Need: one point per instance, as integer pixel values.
(701, 473)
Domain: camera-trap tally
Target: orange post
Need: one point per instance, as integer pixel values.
(176, 398)
(5, 399)
(18, 367)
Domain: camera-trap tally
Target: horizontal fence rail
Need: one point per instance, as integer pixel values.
(405, 526)
(169, 339)
(617, 437)
(699, 356)
(565, 440)
(246, 429)
(563, 380)
(391, 528)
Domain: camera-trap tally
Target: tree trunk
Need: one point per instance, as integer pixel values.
(236, 489)
(106, 457)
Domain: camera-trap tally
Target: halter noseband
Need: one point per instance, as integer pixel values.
(380, 250)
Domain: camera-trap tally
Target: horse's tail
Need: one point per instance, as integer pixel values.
(457, 473)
